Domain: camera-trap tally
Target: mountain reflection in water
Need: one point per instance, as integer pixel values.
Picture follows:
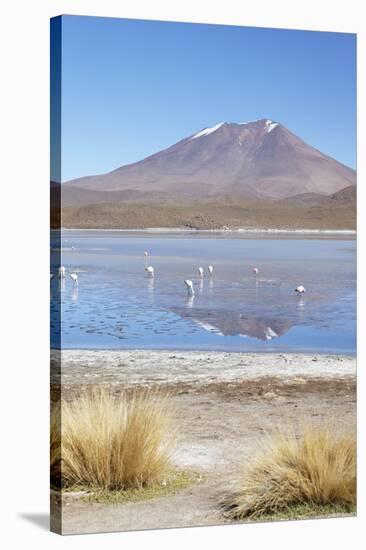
(234, 323)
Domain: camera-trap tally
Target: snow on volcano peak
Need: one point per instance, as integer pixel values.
(270, 125)
(207, 131)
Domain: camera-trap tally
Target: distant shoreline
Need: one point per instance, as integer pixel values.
(180, 230)
(239, 216)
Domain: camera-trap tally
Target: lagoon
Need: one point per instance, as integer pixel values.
(116, 306)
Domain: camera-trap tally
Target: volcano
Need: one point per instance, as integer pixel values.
(248, 160)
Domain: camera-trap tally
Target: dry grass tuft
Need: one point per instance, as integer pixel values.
(318, 468)
(112, 442)
(55, 444)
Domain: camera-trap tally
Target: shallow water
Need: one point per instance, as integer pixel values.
(116, 304)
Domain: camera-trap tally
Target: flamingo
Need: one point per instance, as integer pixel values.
(74, 278)
(189, 286)
(210, 270)
(61, 272)
(255, 270)
(300, 289)
(200, 271)
(150, 270)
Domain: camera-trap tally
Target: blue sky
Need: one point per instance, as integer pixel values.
(131, 88)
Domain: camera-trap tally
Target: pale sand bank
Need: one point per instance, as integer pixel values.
(249, 230)
(152, 367)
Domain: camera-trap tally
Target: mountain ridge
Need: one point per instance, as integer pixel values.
(255, 160)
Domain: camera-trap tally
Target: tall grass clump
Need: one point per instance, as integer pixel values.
(317, 468)
(55, 444)
(114, 442)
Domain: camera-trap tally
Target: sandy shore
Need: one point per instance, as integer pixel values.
(249, 230)
(169, 368)
(225, 404)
